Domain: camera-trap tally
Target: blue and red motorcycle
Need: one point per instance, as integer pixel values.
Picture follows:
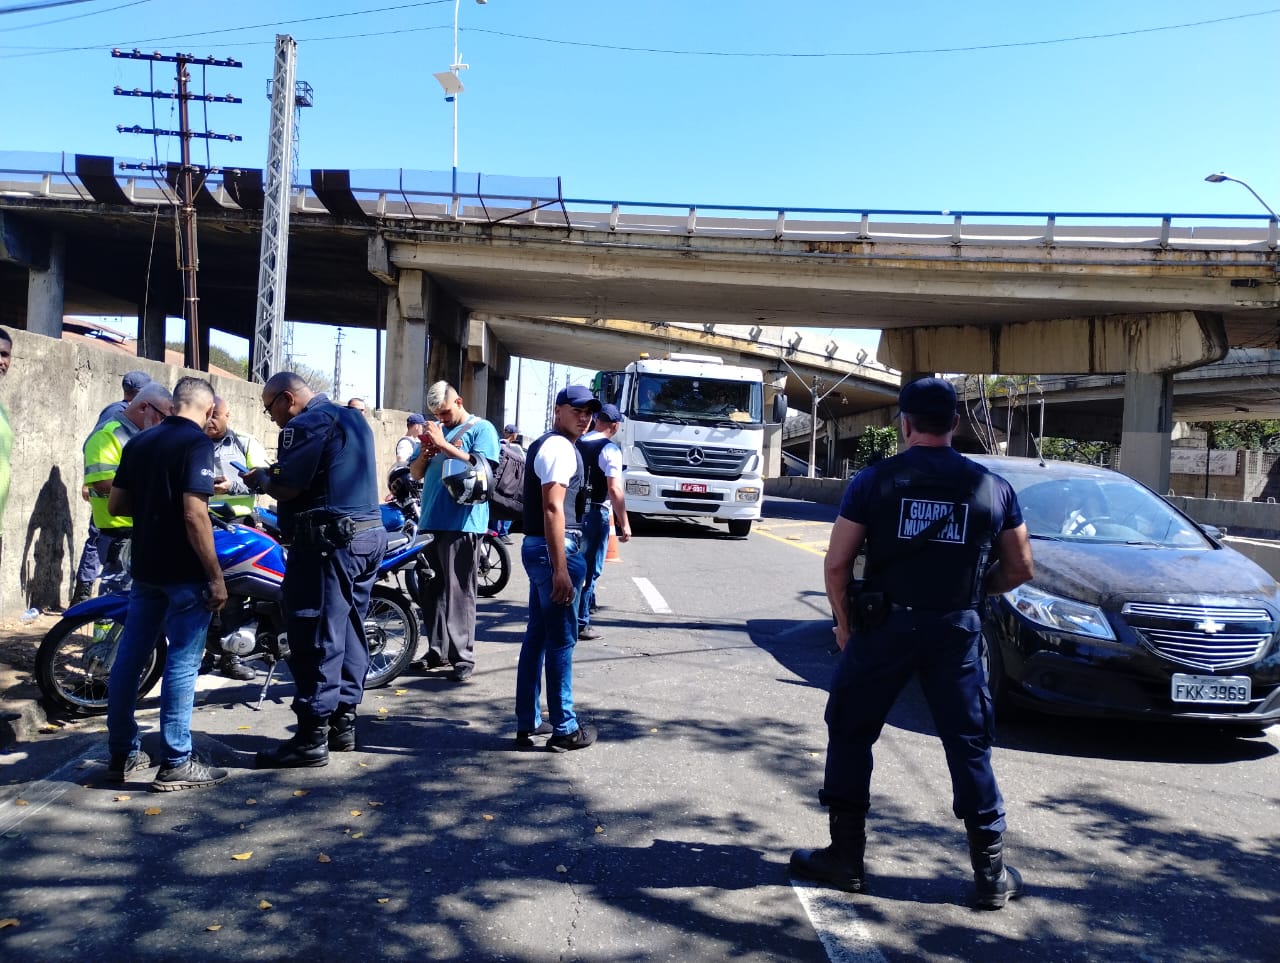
(75, 658)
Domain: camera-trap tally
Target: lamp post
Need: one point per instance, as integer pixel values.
(453, 87)
(1220, 177)
(816, 399)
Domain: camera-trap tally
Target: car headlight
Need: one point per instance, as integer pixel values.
(637, 487)
(748, 494)
(1062, 615)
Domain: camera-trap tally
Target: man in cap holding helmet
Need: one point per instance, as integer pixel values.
(455, 463)
(930, 520)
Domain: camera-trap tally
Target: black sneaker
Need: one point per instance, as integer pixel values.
(231, 667)
(580, 738)
(192, 774)
(121, 767)
(524, 738)
(462, 672)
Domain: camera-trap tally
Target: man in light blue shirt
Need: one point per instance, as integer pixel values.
(449, 600)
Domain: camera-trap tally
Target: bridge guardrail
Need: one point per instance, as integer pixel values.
(404, 194)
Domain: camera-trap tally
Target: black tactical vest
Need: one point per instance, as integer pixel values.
(597, 483)
(575, 495)
(941, 571)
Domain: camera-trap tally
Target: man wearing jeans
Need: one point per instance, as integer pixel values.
(602, 459)
(163, 482)
(554, 498)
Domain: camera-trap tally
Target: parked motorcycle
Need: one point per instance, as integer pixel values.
(74, 660)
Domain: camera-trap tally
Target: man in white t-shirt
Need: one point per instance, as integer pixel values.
(414, 425)
(554, 500)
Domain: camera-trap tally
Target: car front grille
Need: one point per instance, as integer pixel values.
(681, 458)
(1201, 636)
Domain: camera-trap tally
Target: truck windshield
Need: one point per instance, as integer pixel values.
(661, 397)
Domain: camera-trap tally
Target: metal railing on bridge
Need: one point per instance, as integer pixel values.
(398, 194)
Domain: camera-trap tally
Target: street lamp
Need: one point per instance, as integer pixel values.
(453, 86)
(1220, 177)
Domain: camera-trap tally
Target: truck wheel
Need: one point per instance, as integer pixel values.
(740, 528)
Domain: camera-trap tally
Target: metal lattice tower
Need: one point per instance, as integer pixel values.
(268, 332)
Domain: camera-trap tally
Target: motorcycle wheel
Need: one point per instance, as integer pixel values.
(74, 662)
(391, 630)
(493, 567)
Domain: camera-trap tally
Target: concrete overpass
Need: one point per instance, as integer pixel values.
(454, 280)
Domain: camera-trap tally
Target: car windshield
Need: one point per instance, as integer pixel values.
(703, 400)
(1103, 507)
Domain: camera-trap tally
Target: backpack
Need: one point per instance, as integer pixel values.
(506, 496)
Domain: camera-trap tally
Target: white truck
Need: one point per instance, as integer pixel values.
(692, 437)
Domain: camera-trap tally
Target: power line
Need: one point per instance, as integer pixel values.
(78, 16)
(40, 5)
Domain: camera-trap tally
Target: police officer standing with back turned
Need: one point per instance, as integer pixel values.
(929, 518)
(326, 485)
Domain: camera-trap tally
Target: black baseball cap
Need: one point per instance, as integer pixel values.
(579, 396)
(930, 397)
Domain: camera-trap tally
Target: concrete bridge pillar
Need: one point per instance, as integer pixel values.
(1147, 427)
(46, 290)
(424, 340)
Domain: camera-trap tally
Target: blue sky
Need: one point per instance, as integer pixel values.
(1012, 106)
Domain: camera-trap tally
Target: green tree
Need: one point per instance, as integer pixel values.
(874, 444)
(218, 357)
(1243, 435)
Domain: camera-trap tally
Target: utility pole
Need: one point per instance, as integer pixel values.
(337, 367)
(188, 257)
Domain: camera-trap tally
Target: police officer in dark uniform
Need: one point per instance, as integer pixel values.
(931, 521)
(325, 483)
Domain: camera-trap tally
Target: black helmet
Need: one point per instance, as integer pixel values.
(401, 484)
(467, 482)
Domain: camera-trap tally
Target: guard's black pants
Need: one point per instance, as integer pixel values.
(943, 650)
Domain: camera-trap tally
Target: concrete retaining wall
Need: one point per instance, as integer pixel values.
(53, 392)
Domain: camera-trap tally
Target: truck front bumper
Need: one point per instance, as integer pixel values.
(665, 495)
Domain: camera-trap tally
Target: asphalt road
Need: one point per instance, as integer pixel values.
(669, 839)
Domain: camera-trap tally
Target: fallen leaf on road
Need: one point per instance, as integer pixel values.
(263, 904)
(243, 856)
(599, 828)
(384, 899)
(242, 727)
(153, 811)
(322, 858)
(213, 927)
(401, 691)
(382, 710)
(21, 802)
(561, 868)
(301, 792)
(6, 923)
(364, 765)
(487, 818)
(356, 812)
(251, 802)
(121, 798)
(357, 835)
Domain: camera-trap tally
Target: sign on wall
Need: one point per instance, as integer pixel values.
(1190, 461)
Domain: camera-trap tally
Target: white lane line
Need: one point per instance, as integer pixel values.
(40, 794)
(652, 596)
(842, 934)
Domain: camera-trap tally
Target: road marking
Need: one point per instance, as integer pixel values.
(652, 596)
(40, 794)
(836, 922)
(812, 549)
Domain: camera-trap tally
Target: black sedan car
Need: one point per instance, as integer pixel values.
(1135, 611)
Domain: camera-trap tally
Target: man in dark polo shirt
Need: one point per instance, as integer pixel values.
(164, 482)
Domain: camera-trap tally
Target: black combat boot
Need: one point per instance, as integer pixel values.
(81, 593)
(342, 729)
(994, 883)
(308, 749)
(840, 864)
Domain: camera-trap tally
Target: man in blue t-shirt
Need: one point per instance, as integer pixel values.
(326, 485)
(930, 520)
(164, 481)
(449, 599)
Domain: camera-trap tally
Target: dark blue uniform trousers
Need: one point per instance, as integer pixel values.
(326, 599)
(944, 651)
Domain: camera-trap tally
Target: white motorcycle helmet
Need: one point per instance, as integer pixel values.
(467, 483)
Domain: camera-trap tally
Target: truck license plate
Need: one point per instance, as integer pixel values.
(1223, 690)
(693, 487)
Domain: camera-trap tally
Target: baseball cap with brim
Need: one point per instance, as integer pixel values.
(609, 413)
(135, 380)
(579, 396)
(415, 419)
(511, 430)
(928, 397)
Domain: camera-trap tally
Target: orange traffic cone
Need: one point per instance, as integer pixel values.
(611, 555)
